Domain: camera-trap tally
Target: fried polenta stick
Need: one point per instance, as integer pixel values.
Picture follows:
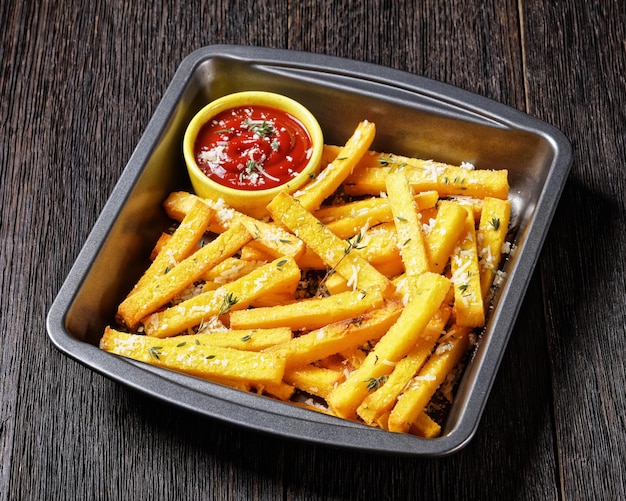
(377, 207)
(228, 270)
(348, 219)
(273, 277)
(281, 391)
(269, 237)
(445, 233)
(472, 204)
(338, 337)
(251, 252)
(376, 245)
(180, 245)
(240, 339)
(335, 252)
(310, 313)
(468, 299)
(428, 292)
(314, 380)
(424, 426)
(413, 400)
(491, 234)
(205, 361)
(328, 180)
(382, 400)
(410, 238)
(371, 173)
(165, 287)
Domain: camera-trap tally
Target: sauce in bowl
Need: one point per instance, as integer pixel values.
(246, 147)
(252, 148)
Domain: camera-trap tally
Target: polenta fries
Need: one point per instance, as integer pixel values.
(367, 305)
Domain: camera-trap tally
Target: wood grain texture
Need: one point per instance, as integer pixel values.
(79, 84)
(582, 48)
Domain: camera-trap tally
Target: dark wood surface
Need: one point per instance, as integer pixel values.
(80, 81)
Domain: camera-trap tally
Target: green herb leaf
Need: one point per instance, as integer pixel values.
(155, 351)
(354, 243)
(373, 383)
(260, 128)
(229, 301)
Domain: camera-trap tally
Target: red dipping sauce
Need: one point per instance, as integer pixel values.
(252, 148)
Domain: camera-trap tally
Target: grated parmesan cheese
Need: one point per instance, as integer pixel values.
(352, 282)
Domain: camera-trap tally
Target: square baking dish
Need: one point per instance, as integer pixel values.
(414, 116)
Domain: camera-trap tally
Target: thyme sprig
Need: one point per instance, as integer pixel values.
(155, 351)
(229, 301)
(260, 128)
(373, 383)
(354, 243)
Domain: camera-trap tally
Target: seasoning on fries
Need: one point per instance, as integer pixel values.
(360, 298)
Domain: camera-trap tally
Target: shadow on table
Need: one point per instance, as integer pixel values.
(511, 452)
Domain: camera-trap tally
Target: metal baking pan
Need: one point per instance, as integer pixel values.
(414, 116)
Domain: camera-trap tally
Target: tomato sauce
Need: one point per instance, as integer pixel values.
(252, 148)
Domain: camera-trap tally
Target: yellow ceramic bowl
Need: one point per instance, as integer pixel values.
(251, 202)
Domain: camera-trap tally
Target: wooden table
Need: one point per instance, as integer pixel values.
(80, 81)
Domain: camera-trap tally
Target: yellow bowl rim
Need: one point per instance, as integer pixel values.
(262, 98)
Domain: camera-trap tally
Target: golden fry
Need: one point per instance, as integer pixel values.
(491, 235)
(429, 290)
(338, 337)
(409, 237)
(308, 314)
(468, 300)
(228, 270)
(314, 380)
(371, 173)
(281, 391)
(208, 362)
(377, 246)
(349, 219)
(382, 400)
(336, 253)
(424, 426)
(412, 401)
(269, 237)
(273, 277)
(165, 287)
(331, 177)
(180, 245)
(448, 227)
(241, 339)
